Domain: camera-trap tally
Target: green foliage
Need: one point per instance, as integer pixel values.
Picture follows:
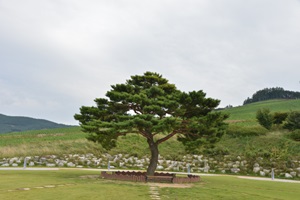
(205, 132)
(295, 135)
(149, 105)
(245, 131)
(293, 121)
(264, 118)
(273, 145)
(279, 117)
(272, 93)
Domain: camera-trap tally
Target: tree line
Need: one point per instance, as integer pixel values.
(272, 93)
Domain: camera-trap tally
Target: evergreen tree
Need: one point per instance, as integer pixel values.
(264, 118)
(293, 121)
(149, 105)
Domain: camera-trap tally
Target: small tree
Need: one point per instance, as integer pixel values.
(264, 118)
(149, 105)
(292, 121)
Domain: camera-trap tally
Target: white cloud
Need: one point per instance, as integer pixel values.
(59, 55)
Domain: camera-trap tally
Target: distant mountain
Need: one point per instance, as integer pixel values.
(17, 124)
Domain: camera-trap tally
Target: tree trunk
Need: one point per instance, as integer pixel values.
(154, 157)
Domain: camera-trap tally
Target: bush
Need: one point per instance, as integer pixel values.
(295, 135)
(279, 117)
(293, 121)
(239, 131)
(264, 118)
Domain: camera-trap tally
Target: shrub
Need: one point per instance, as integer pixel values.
(293, 121)
(279, 117)
(217, 151)
(295, 135)
(264, 118)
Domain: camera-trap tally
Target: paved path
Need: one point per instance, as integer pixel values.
(268, 179)
(153, 190)
(28, 168)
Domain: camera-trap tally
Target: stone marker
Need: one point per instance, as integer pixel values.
(25, 163)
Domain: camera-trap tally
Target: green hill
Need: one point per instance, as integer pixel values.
(246, 137)
(246, 115)
(17, 124)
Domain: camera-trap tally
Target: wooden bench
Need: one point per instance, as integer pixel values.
(160, 179)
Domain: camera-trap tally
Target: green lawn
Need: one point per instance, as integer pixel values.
(81, 184)
(65, 185)
(229, 187)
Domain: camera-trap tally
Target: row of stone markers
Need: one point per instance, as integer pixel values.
(192, 163)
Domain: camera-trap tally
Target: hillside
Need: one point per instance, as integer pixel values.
(245, 142)
(17, 124)
(245, 115)
(72, 139)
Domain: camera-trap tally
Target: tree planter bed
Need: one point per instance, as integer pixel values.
(142, 177)
(159, 179)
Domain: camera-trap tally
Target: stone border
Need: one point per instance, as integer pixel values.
(189, 179)
(225, 164)
(142, 177)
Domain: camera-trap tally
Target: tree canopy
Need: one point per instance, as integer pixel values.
(154, 108)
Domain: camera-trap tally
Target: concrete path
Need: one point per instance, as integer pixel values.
(29, 168)
(268, 179)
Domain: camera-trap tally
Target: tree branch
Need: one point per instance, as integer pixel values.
(166, 137)
(137, 110)
(119, 134)
(144, 134)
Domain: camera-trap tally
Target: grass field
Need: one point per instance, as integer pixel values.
(84, 185)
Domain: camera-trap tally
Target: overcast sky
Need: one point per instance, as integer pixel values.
(57, 55)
